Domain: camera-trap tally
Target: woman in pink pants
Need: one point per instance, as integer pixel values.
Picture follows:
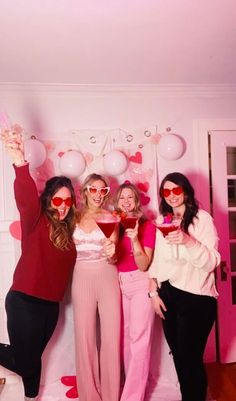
(96, 300)
(135, 250)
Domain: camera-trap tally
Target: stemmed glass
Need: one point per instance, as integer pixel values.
(166, 228)
(107, 223)
(129, 220)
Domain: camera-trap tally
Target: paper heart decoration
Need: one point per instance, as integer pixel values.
(15, 230)
(137, 158)
(155, 138)
(143, 186)
(144, 199)
(147, 175)
(60, 154)
(88, 157)
(70, 381)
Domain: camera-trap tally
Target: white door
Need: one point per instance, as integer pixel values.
(223, 176)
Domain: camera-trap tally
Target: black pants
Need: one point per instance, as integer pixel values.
(187, 325)
(30, 322)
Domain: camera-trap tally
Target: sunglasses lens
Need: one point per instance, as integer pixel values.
(57, 201)
(165, 192)
(92, 190)
(68, 202)
(104, 191)
(177, 190)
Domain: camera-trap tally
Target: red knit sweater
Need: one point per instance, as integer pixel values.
(43, 270)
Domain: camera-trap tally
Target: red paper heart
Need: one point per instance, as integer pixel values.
(15, 230)
(143, 186)
(60, 154)
(144, 199)
(72, 393)
(71, 382)
(137, 158)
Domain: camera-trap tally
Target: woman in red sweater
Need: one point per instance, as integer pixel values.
(43, 270)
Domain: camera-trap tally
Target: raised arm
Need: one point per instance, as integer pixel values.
(26, 194)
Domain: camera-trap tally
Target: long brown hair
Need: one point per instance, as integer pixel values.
(60, 231)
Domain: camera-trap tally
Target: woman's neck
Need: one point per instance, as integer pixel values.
(179, 211)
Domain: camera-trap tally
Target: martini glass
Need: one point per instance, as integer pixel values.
(107, 223)
(166, 228)
(129, 221)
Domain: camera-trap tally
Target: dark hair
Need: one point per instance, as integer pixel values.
(60, 231)
(191, 204)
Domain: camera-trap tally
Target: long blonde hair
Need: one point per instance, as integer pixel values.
(89, 180)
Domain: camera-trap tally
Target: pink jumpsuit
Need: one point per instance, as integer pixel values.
(97, 310)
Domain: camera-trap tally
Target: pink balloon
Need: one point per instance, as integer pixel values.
(115, 162)
(170, 147)
(35, 152)
(15, 230)
(72, 163)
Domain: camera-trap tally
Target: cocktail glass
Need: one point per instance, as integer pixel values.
(107, 222)
(166, 228)
(129, 221)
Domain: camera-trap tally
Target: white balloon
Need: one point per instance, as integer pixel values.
(72, 164)
(115, 162)
(35, 152)
(170, 147)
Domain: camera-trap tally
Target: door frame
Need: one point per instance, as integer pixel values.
(201, 129)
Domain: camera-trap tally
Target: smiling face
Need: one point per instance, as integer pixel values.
(174, 195)
(126, 201)
(61, 201)
(95, 193)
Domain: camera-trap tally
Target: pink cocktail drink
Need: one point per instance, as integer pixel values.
(107, 227)
(167, 228)
(129, 222)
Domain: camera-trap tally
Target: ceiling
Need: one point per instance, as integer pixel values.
(116, 42)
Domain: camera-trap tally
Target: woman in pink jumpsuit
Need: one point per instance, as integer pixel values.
(96, 300)
(134, 251)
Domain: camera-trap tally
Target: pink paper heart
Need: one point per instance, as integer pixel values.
(144, 199)
(15, 230)
(60, 154)
(88, 157)
(148, 174)
(137, 158)
(155, 138)
(143, 186)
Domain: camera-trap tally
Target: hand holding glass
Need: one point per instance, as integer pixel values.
(129, 221)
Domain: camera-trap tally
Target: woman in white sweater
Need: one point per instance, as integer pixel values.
(183, 288)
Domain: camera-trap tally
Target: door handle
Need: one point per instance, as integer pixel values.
(223, 270)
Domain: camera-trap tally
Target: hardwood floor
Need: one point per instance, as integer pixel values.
(222, 381)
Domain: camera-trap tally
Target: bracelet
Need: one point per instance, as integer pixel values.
(153, 294)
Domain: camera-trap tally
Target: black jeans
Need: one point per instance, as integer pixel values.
(30, 322)
(187, 325)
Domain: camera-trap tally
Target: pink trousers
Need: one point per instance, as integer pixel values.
(97, 310)
(138, 319)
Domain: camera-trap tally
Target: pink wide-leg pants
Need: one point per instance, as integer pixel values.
(96, 299)
(138, 319)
